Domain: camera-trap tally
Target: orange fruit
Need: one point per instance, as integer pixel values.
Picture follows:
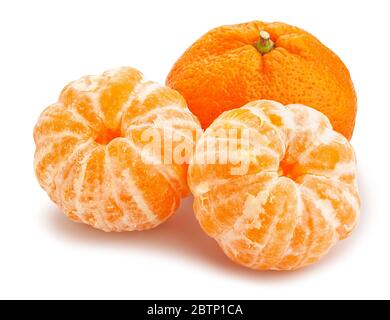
(90, 152)
(233, 65)
(283, 192)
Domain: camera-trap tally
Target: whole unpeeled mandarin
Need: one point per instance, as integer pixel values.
(233, 65)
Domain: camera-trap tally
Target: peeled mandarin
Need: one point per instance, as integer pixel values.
(90, 152)
(284, 192)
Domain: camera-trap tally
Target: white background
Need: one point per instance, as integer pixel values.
(46, 44)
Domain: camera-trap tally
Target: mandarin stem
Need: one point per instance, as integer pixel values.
(265, 44)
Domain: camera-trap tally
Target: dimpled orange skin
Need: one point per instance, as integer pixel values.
(298, 197)
(224, 70)
(88, 156)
